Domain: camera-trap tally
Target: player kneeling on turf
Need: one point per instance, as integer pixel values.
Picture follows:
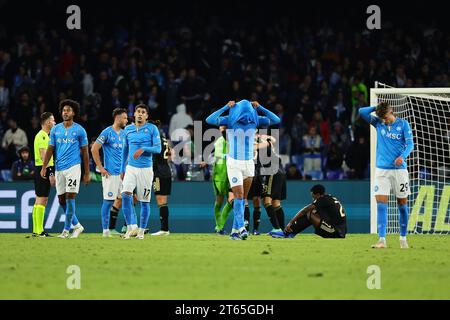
(325, 214)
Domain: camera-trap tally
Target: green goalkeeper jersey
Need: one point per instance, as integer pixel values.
(220, 165)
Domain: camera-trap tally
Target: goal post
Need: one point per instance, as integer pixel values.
(428, 112)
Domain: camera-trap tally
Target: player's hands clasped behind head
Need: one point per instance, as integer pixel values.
(231, 104)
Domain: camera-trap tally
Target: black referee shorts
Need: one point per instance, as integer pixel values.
(41, 185)
(162, 186)
(274, 186)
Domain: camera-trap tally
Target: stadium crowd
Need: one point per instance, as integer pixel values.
(314, 79)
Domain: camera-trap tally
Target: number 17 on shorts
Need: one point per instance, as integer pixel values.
(140, 179)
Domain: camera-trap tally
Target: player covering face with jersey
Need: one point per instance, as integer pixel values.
(242, 122)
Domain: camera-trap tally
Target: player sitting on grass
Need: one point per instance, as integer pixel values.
(325, 214)
(242, 122)
(394, 144)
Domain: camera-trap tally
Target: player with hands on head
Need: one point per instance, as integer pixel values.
(394, 145)
(242, 122)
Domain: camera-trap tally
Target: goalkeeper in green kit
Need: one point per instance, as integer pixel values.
(221, 185)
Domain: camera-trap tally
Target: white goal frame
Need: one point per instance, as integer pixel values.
(373, 137)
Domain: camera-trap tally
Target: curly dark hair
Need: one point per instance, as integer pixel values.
(382, 109)
(71, 103)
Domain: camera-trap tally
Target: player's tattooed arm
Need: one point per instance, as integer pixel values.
(299, 214)
(46, 160)
(87, 174)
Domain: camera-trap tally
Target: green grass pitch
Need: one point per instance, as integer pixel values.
(206, 266)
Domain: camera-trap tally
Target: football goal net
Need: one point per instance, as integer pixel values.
(428, 112)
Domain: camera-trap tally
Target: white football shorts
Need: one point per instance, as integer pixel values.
(239, 170)
(68, 180)
(140, 179)
(112, 187)
(398, 180)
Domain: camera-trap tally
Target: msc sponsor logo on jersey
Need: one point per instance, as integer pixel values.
(395, 136)
(66, 140)
(117, 145)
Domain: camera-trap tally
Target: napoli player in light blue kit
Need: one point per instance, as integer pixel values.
(141, 141)
(242, 122)
(394, 145)
(111, 140)
(66, 141)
